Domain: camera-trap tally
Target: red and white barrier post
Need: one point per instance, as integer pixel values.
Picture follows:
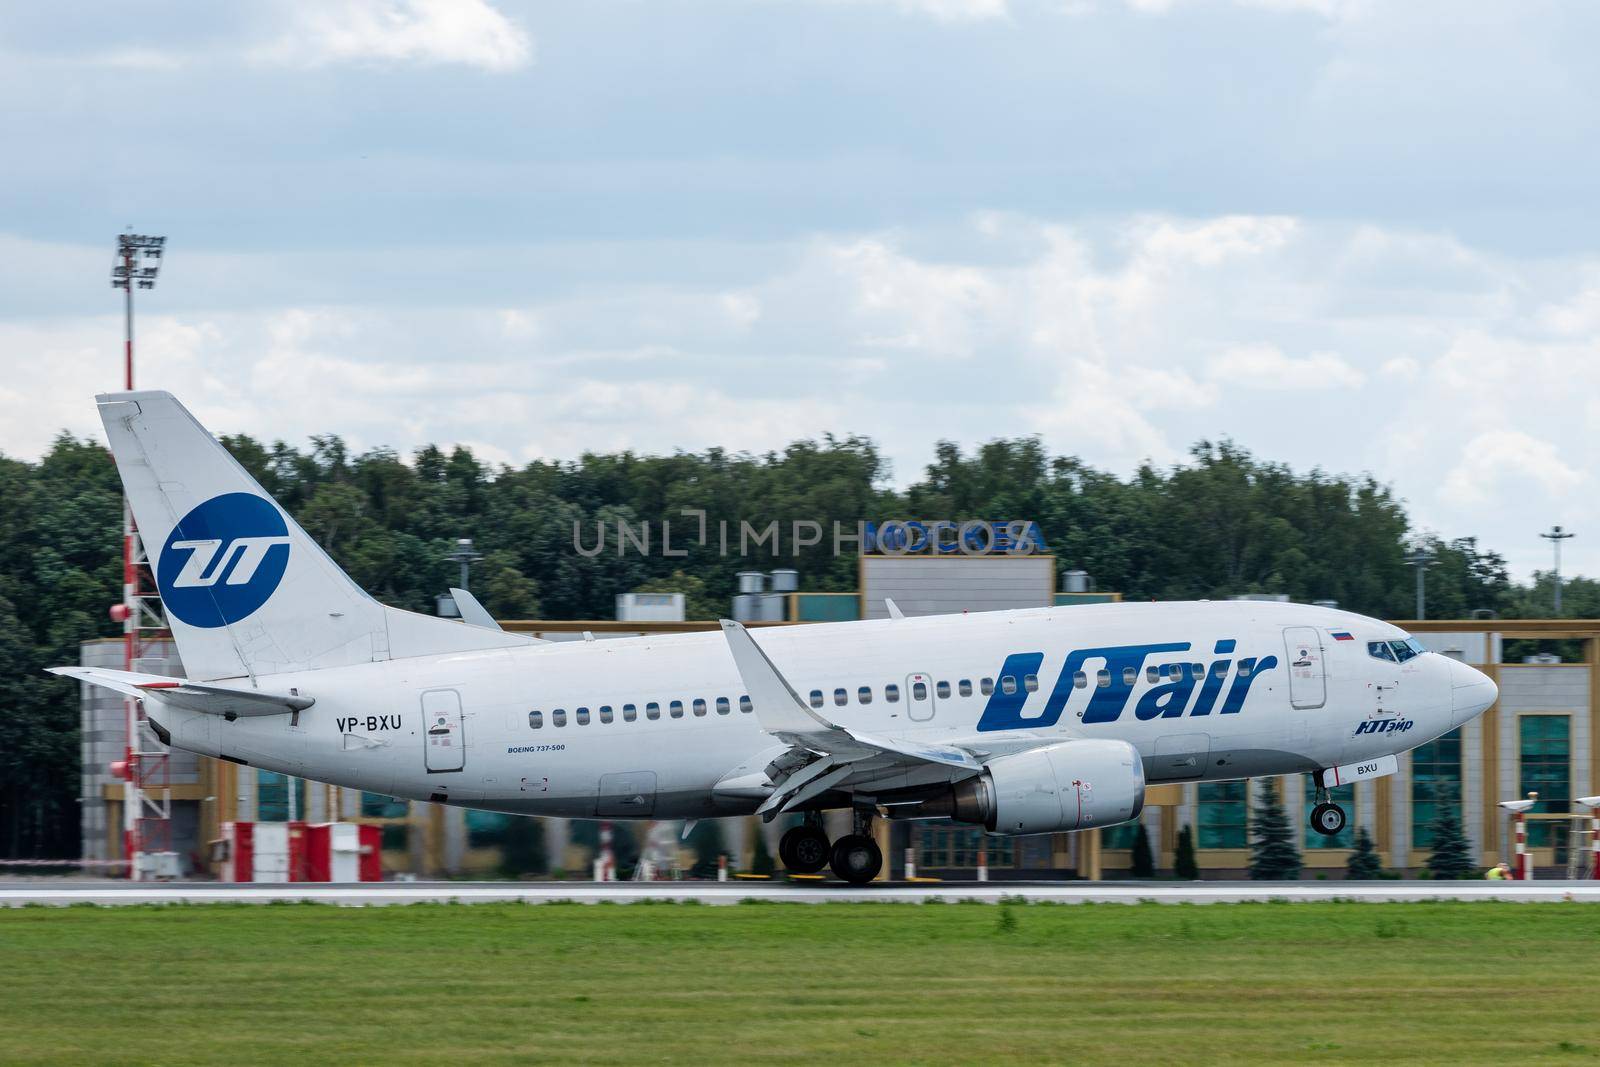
(1523, 870)
(1593, 804)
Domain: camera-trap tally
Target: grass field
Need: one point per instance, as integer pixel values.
(787, 983)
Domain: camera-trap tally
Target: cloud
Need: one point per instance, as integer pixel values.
(466, 32)
(946, 10)
(1266, 367)
(1491, 460)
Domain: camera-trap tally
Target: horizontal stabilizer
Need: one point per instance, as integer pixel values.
(191, 696)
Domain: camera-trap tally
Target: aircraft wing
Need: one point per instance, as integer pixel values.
(193, 696)
(841, 754)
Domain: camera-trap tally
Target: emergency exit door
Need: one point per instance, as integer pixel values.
(919, 697)
(1308, 686)
(444, 745)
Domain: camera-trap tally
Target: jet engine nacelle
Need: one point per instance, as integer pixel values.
(1073, 785)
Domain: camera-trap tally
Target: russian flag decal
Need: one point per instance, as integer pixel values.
(1341, 635)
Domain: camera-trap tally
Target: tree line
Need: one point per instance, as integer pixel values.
(1219, 524)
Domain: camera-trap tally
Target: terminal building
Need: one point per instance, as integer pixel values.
(1543, 735)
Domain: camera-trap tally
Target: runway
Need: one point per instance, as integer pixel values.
(63, 892)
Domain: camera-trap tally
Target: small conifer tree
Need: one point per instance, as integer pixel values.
(1184, 864)
(760, 858)
(1364, 862)
(1273, 856)
(1144, 864)
(1451, 856)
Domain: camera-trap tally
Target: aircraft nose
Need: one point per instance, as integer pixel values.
(1471, 692)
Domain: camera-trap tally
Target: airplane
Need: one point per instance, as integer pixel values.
(1029, 721)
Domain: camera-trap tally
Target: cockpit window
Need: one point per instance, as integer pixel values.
(1380, 650)
(1407, 649)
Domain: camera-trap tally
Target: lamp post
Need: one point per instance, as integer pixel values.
(1421, 559)
(464, 555)
(1555, 537)
(146, 824)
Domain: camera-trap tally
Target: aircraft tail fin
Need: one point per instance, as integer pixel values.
(245, 590)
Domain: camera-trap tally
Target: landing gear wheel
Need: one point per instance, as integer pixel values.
(803, 849)
(856, 859)
(1327, 819)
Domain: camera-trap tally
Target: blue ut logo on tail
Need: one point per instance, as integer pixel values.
(1171, 685)
(223, 560)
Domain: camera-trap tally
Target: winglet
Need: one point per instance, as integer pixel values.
(778, 707)
(894, 609)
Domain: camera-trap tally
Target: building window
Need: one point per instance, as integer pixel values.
(675, 709)
(1345, 797)
(1224, 815)
(582, 715)
(605, 713)
(1435, 772)
(629, 713)
(1121, 835)
(699, 707)
(949, 848)
(723, 707)
(652, 710)
(891, 693)
(536, 720)
(864, 694)
(272, 796)
(1545, 757)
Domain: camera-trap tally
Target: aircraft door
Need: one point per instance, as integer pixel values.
(1308, 685)
(444, 745)
(919, 697)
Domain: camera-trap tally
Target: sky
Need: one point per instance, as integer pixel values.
(1356, 235)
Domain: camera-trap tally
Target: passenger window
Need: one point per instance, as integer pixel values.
(652, 710)
(1244, 670)
(943, 690)
(840, 697)
(1102, 679)
(1080, 680)
(1175, 672)
(536, 720)
(1151, 674)
(699, 707)
(986, 686)
(1130, 675)
(558, 717)
(605, 712)
(964, 687)
(1197, 671)
(583, 716)
(864, 694)
(816, 698)
(1008, 684)
(745, 705)
(891, 693)
(629, 713)
(919, 690)
(1030, 682)
(723, 706)
(675, 709)
(1219, 668)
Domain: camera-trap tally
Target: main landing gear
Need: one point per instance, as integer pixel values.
(1327, 818)
(855, 857)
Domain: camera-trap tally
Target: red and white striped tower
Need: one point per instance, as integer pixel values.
(1523, 870)
(146, 796)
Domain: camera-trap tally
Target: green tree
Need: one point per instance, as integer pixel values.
(760, 859)
(523, 847)
(696, 603)
(1451, 855)
(1144, 864)
(1273, 856)
(706, 841)
(1364, 861)
(1184, 864)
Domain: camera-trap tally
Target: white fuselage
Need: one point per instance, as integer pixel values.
(1203, 691)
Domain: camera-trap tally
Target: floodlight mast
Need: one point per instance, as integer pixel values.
(146, 818)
